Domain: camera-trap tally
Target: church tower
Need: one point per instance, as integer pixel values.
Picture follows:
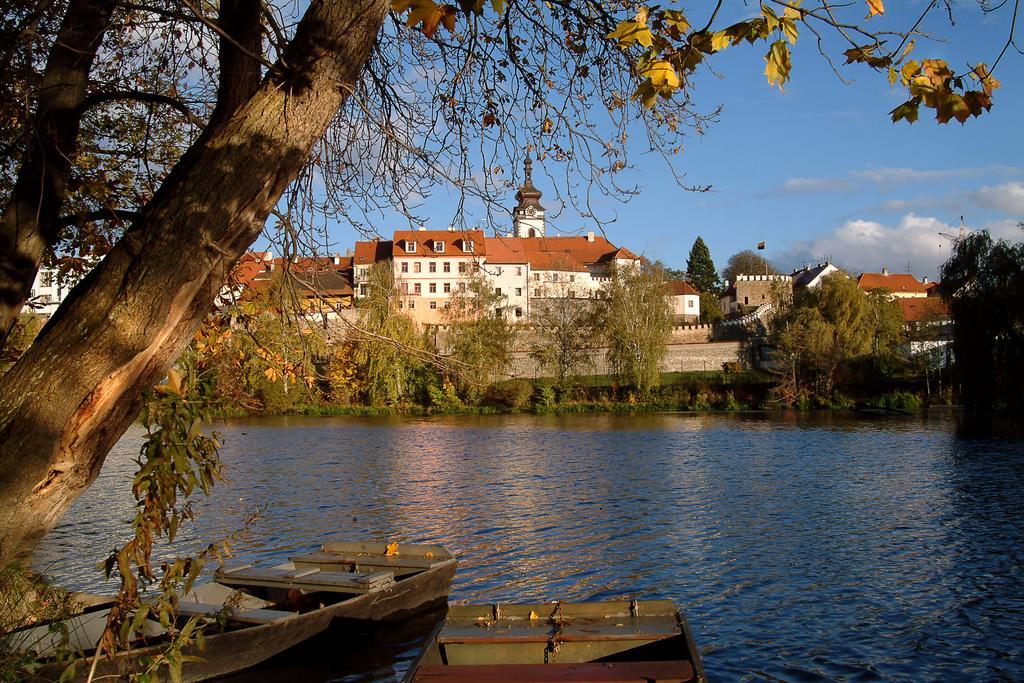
(528, 216)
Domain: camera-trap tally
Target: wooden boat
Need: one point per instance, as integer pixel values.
(627, 641)
(253, 613)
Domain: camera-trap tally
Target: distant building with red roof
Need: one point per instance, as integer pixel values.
(901, 285)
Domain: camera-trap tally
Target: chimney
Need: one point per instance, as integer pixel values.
(924, 280)
(590, 236)
(336, 259)
(423, 228)
(884, 271)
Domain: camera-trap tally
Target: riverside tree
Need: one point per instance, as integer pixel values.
(826, 330)
(637, 324)
(983, 282)
(126, 130)
(564, 332)
(478, 335)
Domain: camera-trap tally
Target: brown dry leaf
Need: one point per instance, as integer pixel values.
(391, 549)
(534, 615)
(428, 554)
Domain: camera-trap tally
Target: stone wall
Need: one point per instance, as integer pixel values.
(678, 358)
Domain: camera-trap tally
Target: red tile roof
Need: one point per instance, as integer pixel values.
(680, 288)
(368, 253)
(456, 243)
(922, 308)
(895, 282)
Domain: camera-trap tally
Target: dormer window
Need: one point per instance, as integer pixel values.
(439, 246)
(467, 246)
(410, 246)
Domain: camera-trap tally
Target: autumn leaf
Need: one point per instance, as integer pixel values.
(875, 7)
(662, 75)
(629, 32)
(391, 549)
(777, 64)
(719, 41)
(908, 111)
(534, 615)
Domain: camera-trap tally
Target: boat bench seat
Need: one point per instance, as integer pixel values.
(247, 616)
(310, 579)
(680, 671)
(577, 630)
(393, 562)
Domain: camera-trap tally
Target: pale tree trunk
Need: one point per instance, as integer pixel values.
(77, 389)
(28, 226)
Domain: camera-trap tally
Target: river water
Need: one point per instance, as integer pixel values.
(801, 547)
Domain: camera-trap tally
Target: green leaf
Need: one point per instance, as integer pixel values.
(907, 111)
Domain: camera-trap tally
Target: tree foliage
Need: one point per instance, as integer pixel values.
(565, 329)
(478, 336)
(827, 330)
(386, 342)
(747, 262)
(637, 325)
(983, 282)
(700, 268)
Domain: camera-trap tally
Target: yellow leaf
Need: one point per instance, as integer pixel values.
(777, 64)
(662, 75)
(547, 125)
(719, 41)
(534, 615)
(893, 76)
(790, 30)
(875, 7)
(391, 549)
(629, 32)
(498, 5)
(174, 381)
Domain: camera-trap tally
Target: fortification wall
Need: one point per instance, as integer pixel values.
(690, 357)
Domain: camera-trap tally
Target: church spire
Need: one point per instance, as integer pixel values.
(529, 213)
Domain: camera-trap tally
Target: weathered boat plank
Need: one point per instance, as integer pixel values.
(679, 671)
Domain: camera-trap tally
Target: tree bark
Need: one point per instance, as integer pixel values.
(77, 389)
(29, 223)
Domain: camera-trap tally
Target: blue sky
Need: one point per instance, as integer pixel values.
(819, 171)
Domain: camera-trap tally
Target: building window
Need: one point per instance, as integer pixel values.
(519, 291)
(432, 267)
(689, 304)
(439, 246)
(433, 305)
(519, 270)
(446, 267)
(462, 286)
(746, 301)
(401, 304)
(405, 288)
(536, 277)
(572, 278)
(362, 289)
(405, 267)
(497, 290)
(467, 246)
(554, 277)
(416, 267)
(410, 246)
(412, 304)
(519, 312)
(417, 288)
(433, 288)
(447, 304)
(447, 287)
(47, 278)
(572, 294)
(463, 267)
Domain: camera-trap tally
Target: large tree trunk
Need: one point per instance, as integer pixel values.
(28, 226)
(76, 390)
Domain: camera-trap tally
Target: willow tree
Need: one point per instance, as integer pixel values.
(125, 130)
(637, 324)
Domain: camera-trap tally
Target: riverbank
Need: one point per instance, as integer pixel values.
(679, 392)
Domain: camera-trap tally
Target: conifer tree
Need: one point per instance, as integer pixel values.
(700, 269)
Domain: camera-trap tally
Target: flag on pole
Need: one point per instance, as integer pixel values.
(760, 245)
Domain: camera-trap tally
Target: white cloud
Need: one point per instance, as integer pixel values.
(863, 245)
(1008, 198)
(809, 185)
(904, 175)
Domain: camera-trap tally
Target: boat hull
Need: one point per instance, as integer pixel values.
(233, 651)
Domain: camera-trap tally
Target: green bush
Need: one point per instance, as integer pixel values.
(515, 394)
(543, 397)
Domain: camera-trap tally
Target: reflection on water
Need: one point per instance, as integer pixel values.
(801, 548)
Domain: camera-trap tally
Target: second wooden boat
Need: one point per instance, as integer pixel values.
(606, 642)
